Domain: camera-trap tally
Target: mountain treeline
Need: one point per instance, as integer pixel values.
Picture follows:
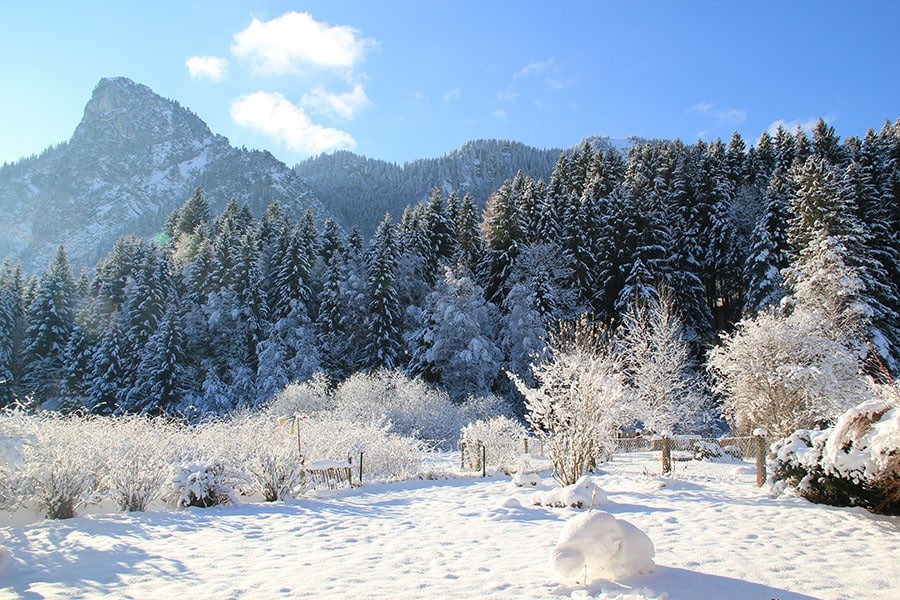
(359, 191)
(221, 312)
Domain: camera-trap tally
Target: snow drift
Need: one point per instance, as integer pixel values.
(596, 545)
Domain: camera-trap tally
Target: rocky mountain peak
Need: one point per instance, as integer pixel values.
(122, 112)
(134, 158)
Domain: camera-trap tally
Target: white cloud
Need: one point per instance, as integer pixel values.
(507, 95)
(724, 115)
(499, 114)
(276, 117)
(288, 43)
(451, 95)
(206, 67)
(792, 126)
(536, 67)
(732, 115)
(341, 106)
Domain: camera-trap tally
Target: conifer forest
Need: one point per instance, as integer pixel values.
(220, 312)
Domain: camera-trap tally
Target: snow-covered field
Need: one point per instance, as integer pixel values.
(716, 536)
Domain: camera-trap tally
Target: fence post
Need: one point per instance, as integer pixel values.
(762, 447)
(462, 456)
(666, 455)
(483, 461)
(526, 444)
(360, 467)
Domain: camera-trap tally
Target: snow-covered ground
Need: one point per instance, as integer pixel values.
(716, 536)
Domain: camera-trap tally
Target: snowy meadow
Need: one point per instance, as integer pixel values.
(455, 535)
(166, 509)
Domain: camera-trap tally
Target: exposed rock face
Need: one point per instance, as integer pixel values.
(133, 158)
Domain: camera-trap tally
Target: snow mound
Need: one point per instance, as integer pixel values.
(596, 545)
(585, 492)
(524, 479)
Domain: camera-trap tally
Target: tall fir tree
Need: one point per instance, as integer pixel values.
(51, 320)
(384, 321)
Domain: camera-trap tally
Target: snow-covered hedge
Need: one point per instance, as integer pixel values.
(16, 432)
(58, 463)
(135, 457)
(854, 463)
(409, 407)
(504, 441)
(63, 466)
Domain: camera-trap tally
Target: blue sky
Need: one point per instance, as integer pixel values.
(399, 80)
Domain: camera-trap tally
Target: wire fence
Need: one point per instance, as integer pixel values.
(683, 456)
(695, 457)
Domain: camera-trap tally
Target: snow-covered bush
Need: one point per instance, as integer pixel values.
(854, 463)
(62, 467)
(596, 545)
(311, 397)
(16, 431)
(411, 406)
(266, 452)
(784, 374)
(581, 401)
(669, 396)
(584, 493)
(136, 454)
(504, 442)
(204, 484)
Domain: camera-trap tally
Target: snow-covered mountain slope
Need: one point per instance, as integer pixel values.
(133, 158)
(360, 190)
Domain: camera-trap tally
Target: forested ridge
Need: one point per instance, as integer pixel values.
(222, 311)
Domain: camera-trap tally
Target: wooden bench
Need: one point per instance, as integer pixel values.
(330, 474)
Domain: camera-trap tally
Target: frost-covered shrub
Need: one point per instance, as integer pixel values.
(581, 400)
(265, 450)
(854, 463)
(62, 468)
(411, 407)
(784, 374)
(16, 432)
(483, 408)
(204, 484)
(311, 397)
(504, 442)
(136, 454)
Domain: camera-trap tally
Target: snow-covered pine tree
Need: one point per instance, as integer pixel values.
(686, 251)
(12, 330)
(722, 272)
(769, 250)
(457, 345)
(826, 145)
(384, 320)
(469, 240)
(539, 294)
(645, 249)
(107, 383)
(167, 384)
(51, 320)
(502, 237)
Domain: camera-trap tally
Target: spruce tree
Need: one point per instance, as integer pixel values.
(51, 320)
(384, 321)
